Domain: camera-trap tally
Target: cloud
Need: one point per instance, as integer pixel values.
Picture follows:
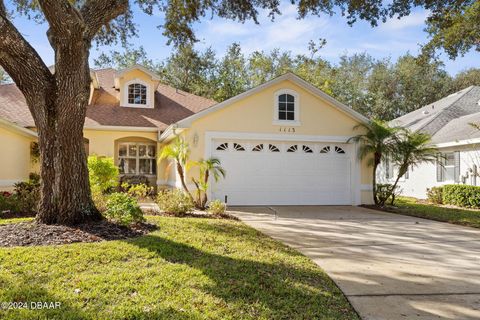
(415, 19)
(286, 32)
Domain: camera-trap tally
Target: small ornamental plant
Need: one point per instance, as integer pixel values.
(123, 209)
(175, 202)
(216, 207)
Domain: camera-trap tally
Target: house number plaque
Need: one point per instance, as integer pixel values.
(287, 129)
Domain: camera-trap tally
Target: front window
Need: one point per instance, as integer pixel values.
(137, 94)
(137, 158)
(286, 107)
(449, 166)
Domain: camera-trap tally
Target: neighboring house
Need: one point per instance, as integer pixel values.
(283, 142)
(448, 121)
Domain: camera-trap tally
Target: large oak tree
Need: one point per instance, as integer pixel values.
(58, 99)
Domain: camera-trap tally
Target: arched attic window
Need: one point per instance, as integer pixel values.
(137, 94)
(286, 108)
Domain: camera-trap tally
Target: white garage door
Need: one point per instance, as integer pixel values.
(283, 173)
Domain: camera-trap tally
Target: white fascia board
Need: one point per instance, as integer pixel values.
(120, 73)
(121, 128)
(18, 129)
(171, 132)
(457, 143)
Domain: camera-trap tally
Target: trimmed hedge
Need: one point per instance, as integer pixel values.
(461, 195)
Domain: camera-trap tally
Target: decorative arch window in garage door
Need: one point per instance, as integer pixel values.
(293, 148)
(273, 148)
(223, 147)
(307, 149)
(339, 150)
(325, 149)
(238, 147)
(258, 147)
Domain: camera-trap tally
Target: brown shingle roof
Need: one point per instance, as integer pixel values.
(171, 105)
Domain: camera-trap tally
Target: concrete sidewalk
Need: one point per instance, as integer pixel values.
(389, 266)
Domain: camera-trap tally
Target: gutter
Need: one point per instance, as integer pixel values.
(169, 133)
(457, 143)
(122, 128)
(19, 129)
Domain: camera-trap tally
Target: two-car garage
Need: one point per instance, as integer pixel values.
(263, 172)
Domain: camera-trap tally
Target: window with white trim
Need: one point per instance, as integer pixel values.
(286, 108)
(449, 166)
(137, 94)
(137, 158)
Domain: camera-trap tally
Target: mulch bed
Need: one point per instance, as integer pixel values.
(12, 215)
(35, 234)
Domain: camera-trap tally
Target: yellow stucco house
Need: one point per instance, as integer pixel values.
(284, 142)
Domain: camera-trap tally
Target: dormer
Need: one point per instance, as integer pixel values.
(137, 86)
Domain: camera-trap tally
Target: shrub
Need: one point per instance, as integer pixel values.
(103, 173)
(134, 179)
(461, 195)
(216, 207)
(99, 199)
(174, 201)
(27, 194)
(138, 191)
(385, 193)
(8, 202)
(123, 209)
(435, 194)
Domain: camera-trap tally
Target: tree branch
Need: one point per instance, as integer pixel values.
(63, 19)
(60, 14)
(22, 62)
(97, 13)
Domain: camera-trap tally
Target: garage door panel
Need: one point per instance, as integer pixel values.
(283, 178)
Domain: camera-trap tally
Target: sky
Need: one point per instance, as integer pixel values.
(389, 40)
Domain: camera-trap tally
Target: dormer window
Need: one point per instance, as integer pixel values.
(137, 94)
(286, 108)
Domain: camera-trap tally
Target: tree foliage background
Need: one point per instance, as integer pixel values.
(378, 88)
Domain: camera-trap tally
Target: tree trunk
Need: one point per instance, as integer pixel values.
(374, 184)
(181, 173)
(66, 197)
(58, 101)
(205, 196)
(400, 174)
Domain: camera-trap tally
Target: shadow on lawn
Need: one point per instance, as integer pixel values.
(275, 291)
(25, 291)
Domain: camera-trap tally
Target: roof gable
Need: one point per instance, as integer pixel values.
(288, 76)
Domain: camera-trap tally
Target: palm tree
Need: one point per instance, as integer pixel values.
(412, 149)
(378, 140)
(178, 151)
(208, 167)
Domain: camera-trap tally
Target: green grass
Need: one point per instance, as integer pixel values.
(190, 268)
(14, 220)
(411, 207)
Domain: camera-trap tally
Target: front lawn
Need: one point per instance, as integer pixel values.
(413, 207)
(14, 220)
(190, 268)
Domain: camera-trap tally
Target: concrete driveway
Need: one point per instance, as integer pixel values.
(389, 266)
